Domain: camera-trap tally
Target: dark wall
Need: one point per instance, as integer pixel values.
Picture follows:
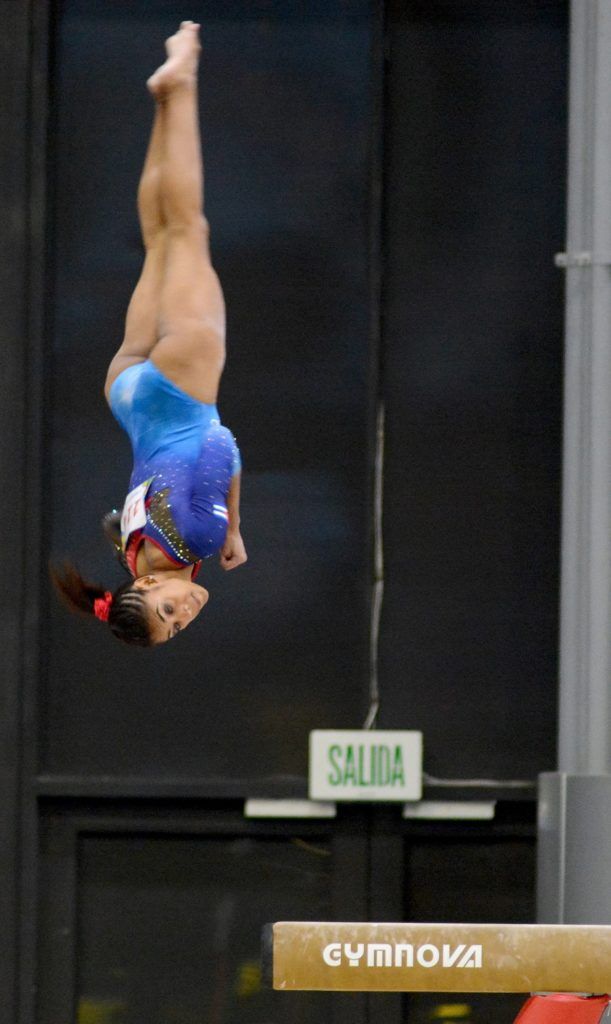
(286, 112)
(472, 380)
(470, 357)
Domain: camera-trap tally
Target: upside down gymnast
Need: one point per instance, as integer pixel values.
(162, 385)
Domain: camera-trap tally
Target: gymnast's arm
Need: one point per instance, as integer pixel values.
(233, 552)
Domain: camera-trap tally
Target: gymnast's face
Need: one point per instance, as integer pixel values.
(172, 604)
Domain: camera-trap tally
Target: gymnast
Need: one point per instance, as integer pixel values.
(162, 384)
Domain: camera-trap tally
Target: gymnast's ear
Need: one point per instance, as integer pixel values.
(144, 582)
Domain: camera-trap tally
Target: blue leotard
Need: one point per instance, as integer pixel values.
(179, 444)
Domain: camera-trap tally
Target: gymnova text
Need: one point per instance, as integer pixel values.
(361, 765)
(402, 954)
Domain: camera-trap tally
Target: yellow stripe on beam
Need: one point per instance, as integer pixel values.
(357, 957)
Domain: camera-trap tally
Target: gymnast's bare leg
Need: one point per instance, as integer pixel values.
(191, 326)
(176, 315)
(141, 325)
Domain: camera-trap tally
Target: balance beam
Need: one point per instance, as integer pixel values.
(357, 957)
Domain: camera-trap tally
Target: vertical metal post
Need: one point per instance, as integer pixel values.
(14, 276)
(34, 556)
(574, 866)
(585, 643)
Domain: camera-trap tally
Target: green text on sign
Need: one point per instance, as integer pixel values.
(350, 764)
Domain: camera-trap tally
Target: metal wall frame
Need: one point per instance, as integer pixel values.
(23, 125)
(13, 293)
(389, 842)
(64, 823)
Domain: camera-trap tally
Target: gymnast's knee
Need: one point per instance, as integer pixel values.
(191, 225)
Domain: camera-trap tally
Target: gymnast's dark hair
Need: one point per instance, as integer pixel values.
(127, 615)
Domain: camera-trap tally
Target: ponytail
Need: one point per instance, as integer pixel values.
(124, 610)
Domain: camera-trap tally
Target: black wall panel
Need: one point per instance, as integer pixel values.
(474, 212)
(20, 279)
(286, 115)
(170, 928)
(153, 912)
(470, 880)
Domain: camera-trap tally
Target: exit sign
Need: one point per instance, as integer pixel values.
(354, 764)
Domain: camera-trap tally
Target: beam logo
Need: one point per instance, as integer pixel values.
(402, 954)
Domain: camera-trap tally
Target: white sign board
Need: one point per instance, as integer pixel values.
(356, 764)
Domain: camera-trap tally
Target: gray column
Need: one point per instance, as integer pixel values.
(574, 858)
(585, 641)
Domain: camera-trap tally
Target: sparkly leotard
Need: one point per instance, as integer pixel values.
(179, 446)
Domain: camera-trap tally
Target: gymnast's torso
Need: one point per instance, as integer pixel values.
(184, 460)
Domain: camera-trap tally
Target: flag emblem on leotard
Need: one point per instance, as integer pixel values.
(220, 510)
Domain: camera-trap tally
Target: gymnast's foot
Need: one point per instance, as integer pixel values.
(181, 66)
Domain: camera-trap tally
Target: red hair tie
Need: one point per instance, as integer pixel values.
(101, 606)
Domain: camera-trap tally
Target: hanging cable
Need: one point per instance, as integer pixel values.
(377, 596)
(379, 62)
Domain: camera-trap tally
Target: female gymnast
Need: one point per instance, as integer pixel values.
(162, 385)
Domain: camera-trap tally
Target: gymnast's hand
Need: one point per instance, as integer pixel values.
(233, 552)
